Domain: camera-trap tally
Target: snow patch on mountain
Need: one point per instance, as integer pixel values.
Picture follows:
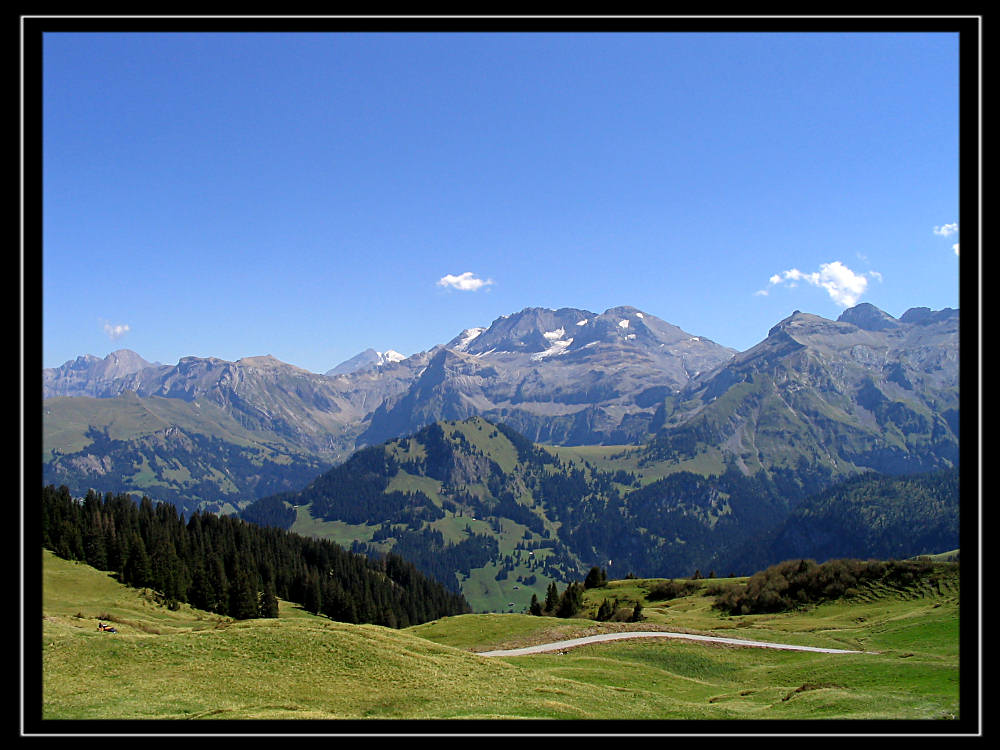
(558, 347)
(465, 338)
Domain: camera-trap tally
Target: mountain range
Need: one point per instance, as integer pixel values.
(560, 375)
(816, 398)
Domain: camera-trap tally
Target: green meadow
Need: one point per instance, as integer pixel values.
(183, 663)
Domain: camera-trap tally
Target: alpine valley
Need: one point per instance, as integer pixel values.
(549, 442)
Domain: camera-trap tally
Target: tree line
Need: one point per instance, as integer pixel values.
(232, 567)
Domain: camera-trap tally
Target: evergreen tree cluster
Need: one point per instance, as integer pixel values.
(271, 511)
(570, 603)
(428, 551)
(229, 566)
(354, 492)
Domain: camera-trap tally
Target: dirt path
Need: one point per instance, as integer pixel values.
(562, 645)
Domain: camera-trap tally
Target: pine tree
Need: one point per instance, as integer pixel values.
(312, 596)
(551, 597)
(571, 600)
(535, 608)
(202, 594)
(605, 611)
(70, 544)
(268, 602)
(243, 597)
(595, 578)
(94, 550)
(138, 571)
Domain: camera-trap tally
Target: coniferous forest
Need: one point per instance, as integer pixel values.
(231, 567)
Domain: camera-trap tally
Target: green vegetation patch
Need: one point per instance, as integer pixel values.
(189, 664)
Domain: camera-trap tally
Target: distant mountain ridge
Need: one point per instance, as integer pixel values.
(88, 375)
(559, 375)
(814, 399)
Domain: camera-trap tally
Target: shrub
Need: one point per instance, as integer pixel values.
(607, 610)
(671, 590)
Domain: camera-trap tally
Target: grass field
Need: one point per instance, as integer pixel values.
(179, 664)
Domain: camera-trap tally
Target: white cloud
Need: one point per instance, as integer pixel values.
(466, 282)
(955, 248)
(115, 332)
(844, 286)
(947, 230)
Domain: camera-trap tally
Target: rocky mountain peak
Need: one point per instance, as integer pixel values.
(868, 317)
(530, 331)
(924, 315)
(366, 360)
(266, 362)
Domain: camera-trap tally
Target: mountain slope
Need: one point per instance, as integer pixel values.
(497, 517)
(189, 453)
(868, 516)
(827, 396)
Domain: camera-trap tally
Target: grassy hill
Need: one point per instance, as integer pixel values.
(185, 663)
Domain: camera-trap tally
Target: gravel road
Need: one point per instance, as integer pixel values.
(562, 645)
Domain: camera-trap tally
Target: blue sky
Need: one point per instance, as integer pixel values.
(311, 195)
